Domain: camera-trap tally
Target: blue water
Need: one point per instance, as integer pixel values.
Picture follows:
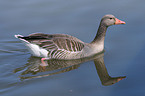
(23, 75)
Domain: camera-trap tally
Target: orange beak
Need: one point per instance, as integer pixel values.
(119, 22)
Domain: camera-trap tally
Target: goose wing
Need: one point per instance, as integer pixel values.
(56, 42)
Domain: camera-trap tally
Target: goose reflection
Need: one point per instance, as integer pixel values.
(34, 67)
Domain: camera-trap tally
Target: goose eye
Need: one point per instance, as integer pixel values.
(111, 18)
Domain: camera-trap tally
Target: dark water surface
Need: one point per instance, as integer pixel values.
(23, 75)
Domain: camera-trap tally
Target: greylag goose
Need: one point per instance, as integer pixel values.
(62, 46)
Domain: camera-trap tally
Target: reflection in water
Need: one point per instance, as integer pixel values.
(103, 74)
(34, 66)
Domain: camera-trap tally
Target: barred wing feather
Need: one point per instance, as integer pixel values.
(58, 45)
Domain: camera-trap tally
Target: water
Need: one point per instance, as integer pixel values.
(23, 75)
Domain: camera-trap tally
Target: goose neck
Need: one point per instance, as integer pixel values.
(100, 36)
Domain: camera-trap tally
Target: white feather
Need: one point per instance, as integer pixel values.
(34, 49)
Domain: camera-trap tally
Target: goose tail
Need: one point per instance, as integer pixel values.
(21, 38)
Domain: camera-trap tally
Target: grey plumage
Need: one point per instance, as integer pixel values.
(59, 46)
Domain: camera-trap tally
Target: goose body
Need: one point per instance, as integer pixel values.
(58, 46)
(62, 46)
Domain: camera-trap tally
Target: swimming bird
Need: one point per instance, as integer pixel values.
(63, 46)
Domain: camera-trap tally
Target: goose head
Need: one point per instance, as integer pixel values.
(109, 20)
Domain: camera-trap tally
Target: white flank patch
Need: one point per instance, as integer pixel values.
(35, 50)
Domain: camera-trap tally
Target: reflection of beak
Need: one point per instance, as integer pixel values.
(121, 78)
(119, 22)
